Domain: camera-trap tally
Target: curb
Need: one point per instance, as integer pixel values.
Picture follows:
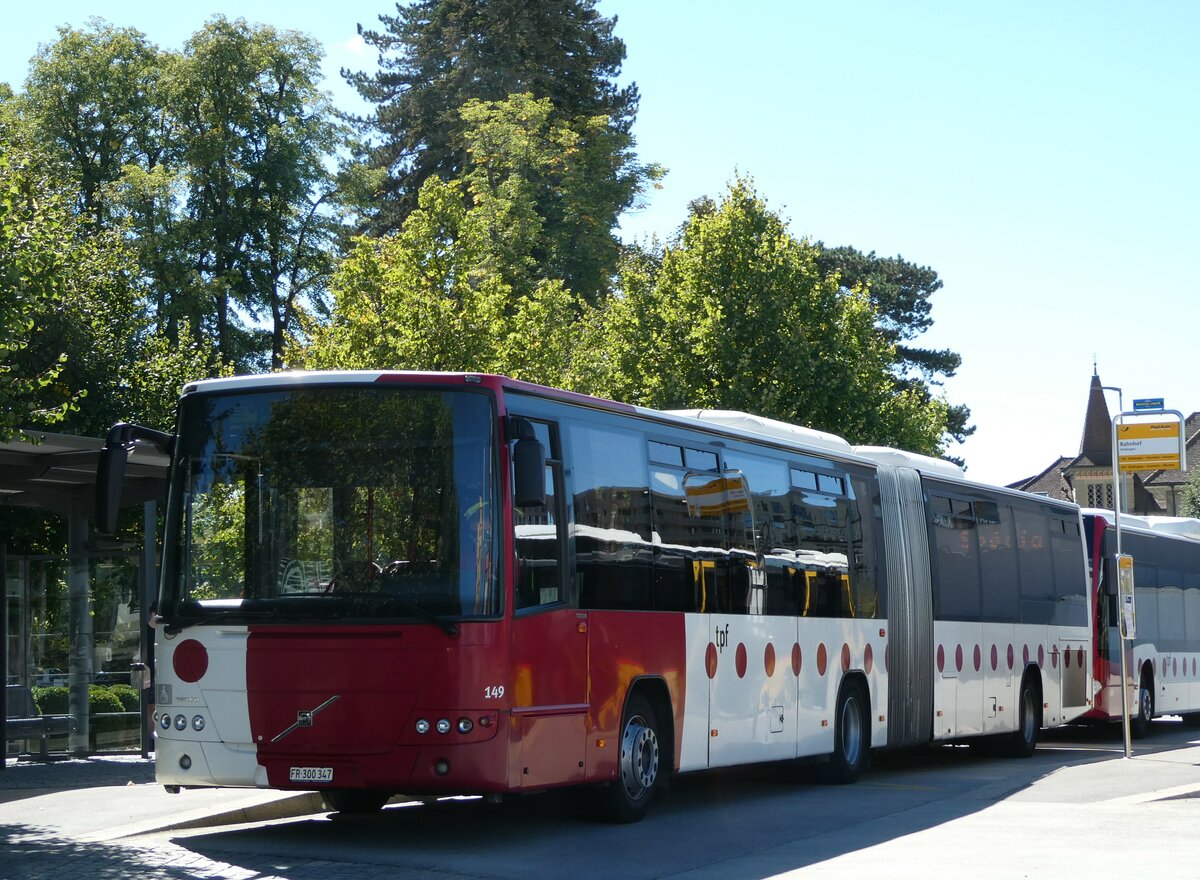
(286, 807)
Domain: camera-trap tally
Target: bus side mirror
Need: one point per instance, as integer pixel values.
(110, 474)
(529, 466)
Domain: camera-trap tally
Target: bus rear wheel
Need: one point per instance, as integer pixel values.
(851, 736)
(1023, 741)
(354, 801)
(627, 798)
(1144, 711)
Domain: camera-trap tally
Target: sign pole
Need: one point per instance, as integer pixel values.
(1141, 446)
(1121, 639)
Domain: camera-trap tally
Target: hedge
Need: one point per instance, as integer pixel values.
(101, 698)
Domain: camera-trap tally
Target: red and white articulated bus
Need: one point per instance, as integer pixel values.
(1161, 659)
(432, 584)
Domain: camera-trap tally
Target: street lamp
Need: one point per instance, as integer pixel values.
(1120, 400)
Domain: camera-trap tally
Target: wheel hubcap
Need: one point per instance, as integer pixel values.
(851, 725)
(1146, 708)
(639, 757)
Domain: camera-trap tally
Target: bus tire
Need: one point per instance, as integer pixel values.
(354, 801)
(1023, 741)
(1139, 725)
(851, 736)
(639, 766)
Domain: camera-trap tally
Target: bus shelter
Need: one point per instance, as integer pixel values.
(77, 622)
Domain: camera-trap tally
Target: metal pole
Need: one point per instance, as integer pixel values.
(149, 588)
(79, 677)
(1116, 463)
(4, 654)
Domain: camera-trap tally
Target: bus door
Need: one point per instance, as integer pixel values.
(958, 632)
(752, 701)
(548, 672)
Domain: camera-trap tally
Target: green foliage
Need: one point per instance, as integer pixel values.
(129, 697)
(255, 133)
(1190, 501)
(463, 285)
(435, 56)
(41, 250)
(101, 698)
(93, 94)
(547, 193)
(52, 700)
(212, 163)
(900, 292)
(737, 315)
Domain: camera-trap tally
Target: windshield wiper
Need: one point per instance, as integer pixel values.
(449, 627)
(179, 626)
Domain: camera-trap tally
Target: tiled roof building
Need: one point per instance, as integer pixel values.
(1086, 478)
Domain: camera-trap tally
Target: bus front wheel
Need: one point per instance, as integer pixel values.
(627, 798)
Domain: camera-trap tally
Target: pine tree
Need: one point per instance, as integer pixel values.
(436, 55)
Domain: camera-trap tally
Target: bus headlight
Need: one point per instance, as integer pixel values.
(165, 721)
(443, 725)
(198, 723)
(422, 726)
(181, 722)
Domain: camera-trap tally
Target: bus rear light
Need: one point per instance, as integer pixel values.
(443, 725)
(465, 725)
(422, 726)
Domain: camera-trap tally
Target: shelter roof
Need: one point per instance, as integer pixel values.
(58, 472)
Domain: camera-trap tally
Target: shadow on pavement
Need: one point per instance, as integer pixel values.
(766, 815)
(25, 779)
(31, 853)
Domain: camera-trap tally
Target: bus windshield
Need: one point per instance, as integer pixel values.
(332, 502)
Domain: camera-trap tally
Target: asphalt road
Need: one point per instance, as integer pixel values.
(1077, 808)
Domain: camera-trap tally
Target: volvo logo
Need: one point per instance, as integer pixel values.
(304, 718)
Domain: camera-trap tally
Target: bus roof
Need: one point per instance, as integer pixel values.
(729, 422)
(1175, 526)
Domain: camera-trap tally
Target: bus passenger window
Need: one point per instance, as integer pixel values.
(537, 537)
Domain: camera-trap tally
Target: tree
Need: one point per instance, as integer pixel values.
(736, 314)
(1191, 495)
(900, 292)
(437, 55)
(94, 96)
(213, 163)
(95, 357)
(473, 281)
(39, 242)
(256, 132)
(434, 297)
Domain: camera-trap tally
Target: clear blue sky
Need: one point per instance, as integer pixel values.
(1040, 157)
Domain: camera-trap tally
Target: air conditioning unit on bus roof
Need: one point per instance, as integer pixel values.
(767, 427)
(926, 464)
(1181, 526)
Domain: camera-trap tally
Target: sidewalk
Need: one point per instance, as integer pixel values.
(103, 798)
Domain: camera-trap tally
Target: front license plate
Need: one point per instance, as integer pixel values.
(311, 774)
